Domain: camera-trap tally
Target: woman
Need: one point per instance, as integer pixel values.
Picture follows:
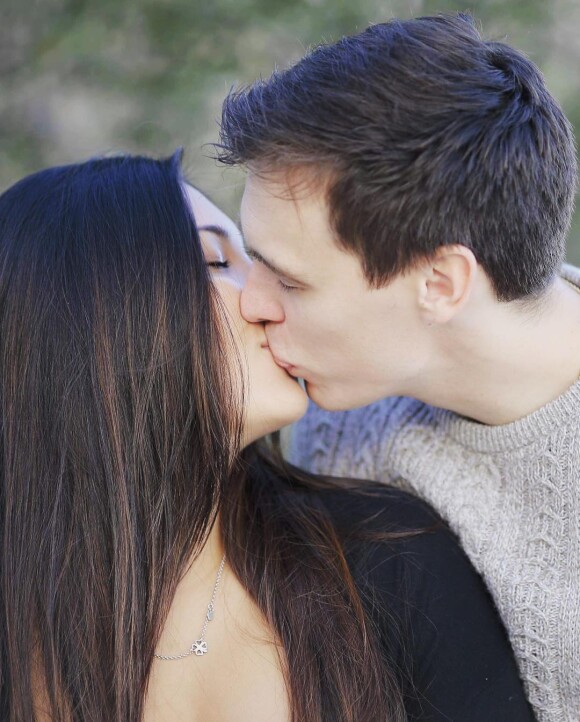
(156, 563)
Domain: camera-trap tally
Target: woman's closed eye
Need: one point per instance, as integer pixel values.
(218, 264)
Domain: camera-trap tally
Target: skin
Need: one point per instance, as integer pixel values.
(436, 332)
(241, 676)
(273, 398)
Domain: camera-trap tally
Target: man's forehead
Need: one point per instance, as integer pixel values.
(294, 235)
(295, 213)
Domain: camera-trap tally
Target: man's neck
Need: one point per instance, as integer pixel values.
(508, 362)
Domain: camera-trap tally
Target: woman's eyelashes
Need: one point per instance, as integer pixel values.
(218, 264)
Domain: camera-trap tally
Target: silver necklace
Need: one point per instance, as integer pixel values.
(199, 647)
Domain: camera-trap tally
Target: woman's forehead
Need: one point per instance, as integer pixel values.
(205, 212)
(208, 215)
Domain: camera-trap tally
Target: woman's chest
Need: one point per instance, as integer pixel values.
(240, 678)
(245, 684)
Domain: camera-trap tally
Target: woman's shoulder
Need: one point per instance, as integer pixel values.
(399, 545)
(362, 499)
(363, 510)
(436, 620)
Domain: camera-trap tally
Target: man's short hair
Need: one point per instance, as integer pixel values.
(426, 135)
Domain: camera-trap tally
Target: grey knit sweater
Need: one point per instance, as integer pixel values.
(511, 493)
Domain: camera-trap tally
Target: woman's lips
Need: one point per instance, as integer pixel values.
(282, 364)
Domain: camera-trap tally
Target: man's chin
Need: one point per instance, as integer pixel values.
(331, 399)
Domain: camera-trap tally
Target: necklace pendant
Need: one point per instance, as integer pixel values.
(199, 647)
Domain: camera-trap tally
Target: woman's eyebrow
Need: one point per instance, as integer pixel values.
(218, 230)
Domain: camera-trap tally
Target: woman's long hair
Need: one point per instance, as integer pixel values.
(121, 418)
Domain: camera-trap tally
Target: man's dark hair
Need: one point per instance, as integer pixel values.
(427, 135)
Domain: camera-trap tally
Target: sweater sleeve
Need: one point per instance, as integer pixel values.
(438, 624)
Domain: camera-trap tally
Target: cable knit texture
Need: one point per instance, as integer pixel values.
(510, 492)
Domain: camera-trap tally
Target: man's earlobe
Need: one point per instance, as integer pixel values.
(446, 283)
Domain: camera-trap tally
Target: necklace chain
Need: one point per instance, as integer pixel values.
(199, 647)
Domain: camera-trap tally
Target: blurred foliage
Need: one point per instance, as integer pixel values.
(82, 77)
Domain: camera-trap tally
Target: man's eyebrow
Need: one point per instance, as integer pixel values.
(256, 256)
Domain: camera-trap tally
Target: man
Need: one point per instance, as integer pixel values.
(408, 195)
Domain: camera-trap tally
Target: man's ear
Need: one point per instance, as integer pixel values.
(446, 281)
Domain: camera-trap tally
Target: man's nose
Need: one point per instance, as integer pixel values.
(259, 300)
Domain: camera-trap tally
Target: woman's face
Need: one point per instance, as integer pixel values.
(273, 398)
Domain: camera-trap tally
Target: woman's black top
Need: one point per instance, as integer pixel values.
(438, 625)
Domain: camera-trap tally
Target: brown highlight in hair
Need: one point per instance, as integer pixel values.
(121, 418)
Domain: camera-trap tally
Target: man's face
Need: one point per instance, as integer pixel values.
(352, 344)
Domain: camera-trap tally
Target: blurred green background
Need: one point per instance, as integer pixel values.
(80, 78)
